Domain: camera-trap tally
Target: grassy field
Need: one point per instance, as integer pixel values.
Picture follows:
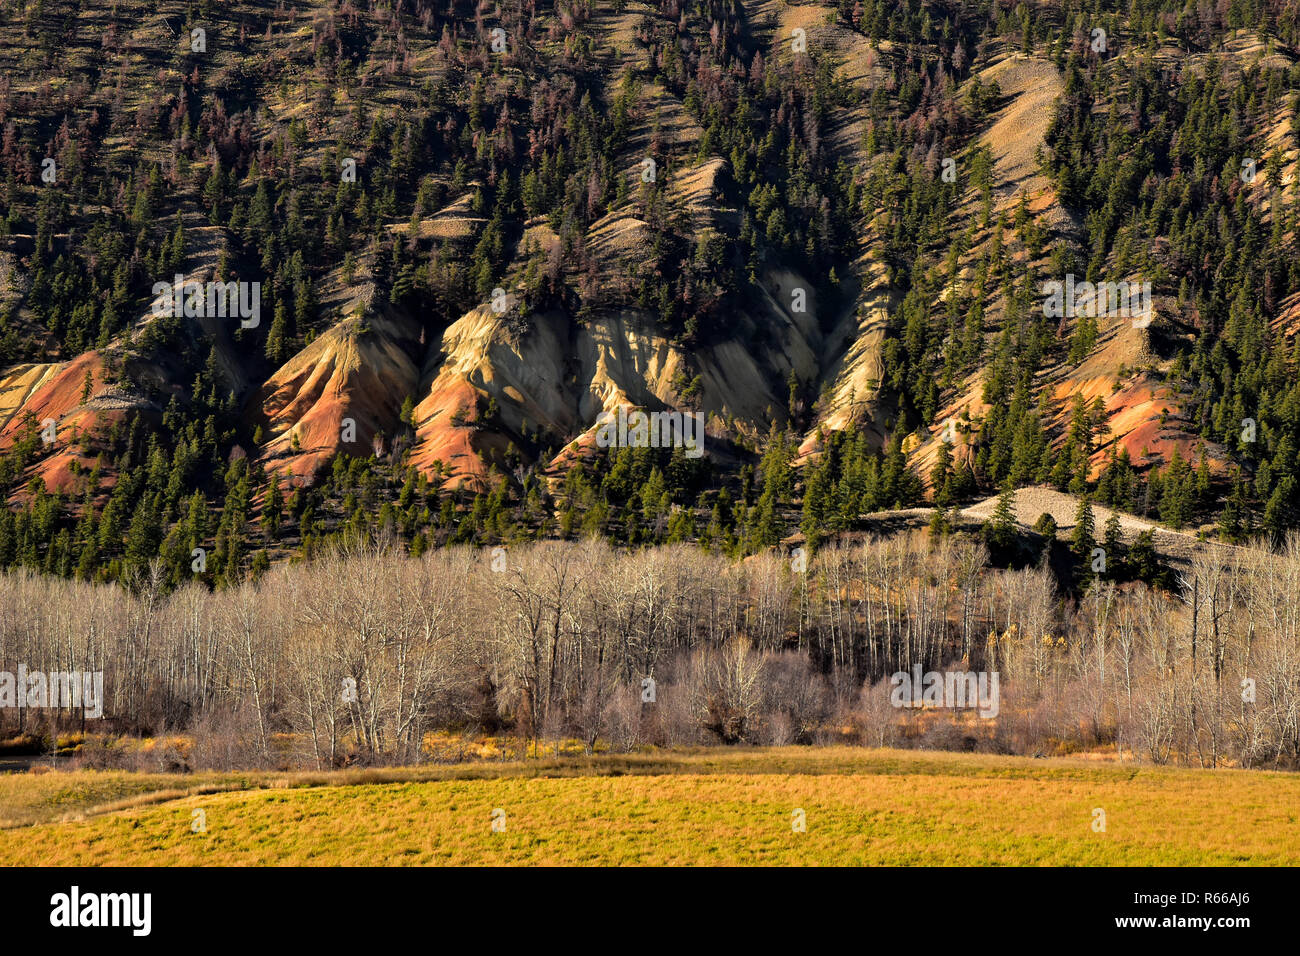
(702, 807)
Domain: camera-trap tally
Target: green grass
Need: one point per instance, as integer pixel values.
(702, 807)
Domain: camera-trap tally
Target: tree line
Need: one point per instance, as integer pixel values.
(361, 654)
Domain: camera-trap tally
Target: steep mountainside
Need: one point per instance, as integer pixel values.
(456, 235)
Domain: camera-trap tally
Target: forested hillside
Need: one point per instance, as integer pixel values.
(468, 231)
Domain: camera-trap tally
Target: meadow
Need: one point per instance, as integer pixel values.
(700, 807)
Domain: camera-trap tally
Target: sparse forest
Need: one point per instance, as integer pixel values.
(364, 658)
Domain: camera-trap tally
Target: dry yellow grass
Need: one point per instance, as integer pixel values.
(704, 807)
(1031, 85)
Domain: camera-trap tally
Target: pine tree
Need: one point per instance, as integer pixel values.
(1112, 541)
(276, 344)
(273, 510)
(1082, 539)
(1000, 532)
(941, 473)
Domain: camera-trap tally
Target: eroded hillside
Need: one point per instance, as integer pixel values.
(468, 232)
